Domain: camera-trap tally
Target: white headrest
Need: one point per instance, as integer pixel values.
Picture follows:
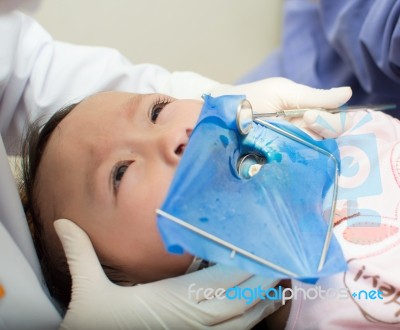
(24, 301)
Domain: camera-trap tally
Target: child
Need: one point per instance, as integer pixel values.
(109, 158)
(112, 178)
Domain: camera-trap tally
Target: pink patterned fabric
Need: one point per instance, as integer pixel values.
(367, 222)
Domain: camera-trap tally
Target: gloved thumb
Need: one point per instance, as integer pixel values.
(326, 124)
(82, 259)
(307, 97)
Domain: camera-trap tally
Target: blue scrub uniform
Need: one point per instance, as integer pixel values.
(333, 43)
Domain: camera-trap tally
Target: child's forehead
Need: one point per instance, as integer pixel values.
(109, 99)
(100, 107)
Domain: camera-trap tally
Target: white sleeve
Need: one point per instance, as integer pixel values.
(39, 75)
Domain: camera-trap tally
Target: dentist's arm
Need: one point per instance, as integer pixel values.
(39, 75)
(176, 303)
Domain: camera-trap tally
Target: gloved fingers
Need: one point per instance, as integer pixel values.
(275, 94)
(82, 259)
(211, 278)
(328, 125)
(300, 123)
(298, 96)
(236, 300)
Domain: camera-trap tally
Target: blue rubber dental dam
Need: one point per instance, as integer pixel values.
(258, 195)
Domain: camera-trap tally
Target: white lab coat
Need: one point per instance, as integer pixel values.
(37, 76)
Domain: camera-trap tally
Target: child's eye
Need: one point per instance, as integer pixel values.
(156, 110)
(158, 106)
(118, 172)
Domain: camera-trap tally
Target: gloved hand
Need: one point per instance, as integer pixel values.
(275, 94)
(173, 303)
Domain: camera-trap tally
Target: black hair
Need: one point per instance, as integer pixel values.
(55, 271)
(52, 261)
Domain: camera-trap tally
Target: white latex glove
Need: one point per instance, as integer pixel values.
(275, 94)
(98, 303)
(329, 125)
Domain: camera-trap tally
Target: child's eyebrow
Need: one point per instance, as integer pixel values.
(133, 103)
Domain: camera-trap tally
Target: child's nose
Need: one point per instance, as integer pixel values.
(172, 145)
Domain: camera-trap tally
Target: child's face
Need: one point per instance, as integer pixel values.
(108, 166)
